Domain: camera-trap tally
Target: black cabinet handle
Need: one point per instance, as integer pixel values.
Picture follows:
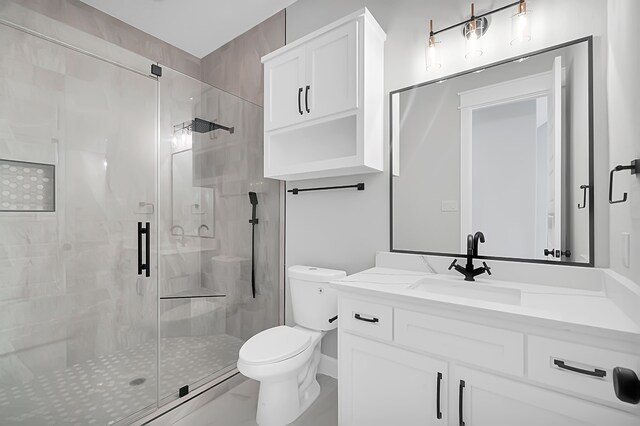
(146, 265)
(595, 373)
(461, 403)
(300, 100)
(306, 99)
(361, 318)
(438, 412)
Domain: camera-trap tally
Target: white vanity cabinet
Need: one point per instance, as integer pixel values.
(324, 97)
(483, 399)
(393, 355)
(389, 385)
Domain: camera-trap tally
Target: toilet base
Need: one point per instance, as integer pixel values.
(278, 402)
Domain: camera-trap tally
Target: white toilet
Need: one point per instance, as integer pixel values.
(285, 359)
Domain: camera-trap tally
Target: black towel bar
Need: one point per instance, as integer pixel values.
(358, 186)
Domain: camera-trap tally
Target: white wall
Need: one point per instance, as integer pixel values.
(624, 124)
(344, 229)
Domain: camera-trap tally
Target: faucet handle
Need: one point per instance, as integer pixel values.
(455, 261)
(486, 268)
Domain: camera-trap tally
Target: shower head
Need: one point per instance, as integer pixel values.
(253, 198)
(199, 125)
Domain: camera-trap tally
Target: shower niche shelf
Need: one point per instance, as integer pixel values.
(26, 186)
(324, 102)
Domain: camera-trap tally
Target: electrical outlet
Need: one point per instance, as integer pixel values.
(626, 249)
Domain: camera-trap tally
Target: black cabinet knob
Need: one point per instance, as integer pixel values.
(626, 385)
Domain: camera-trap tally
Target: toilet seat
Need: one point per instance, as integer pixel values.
(274, 345)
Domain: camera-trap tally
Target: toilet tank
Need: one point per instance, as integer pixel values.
(314, 302)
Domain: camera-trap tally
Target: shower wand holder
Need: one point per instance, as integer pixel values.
(634, 167)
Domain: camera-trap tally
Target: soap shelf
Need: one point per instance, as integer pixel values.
(634, 167)
(358, 186)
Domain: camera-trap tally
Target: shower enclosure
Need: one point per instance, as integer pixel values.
(125, 242)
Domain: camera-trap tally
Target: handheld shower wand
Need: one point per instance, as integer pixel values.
(253, 199)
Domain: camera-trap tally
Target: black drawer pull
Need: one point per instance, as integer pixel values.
(438, 412)
(306, 99)
(361, 318)
(300, 100)
(461, 403)
(595, 373)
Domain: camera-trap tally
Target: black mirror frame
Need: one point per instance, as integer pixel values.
(591, 263)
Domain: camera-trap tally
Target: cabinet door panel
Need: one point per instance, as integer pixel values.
(283, 78)
(489, 401)
(332, 72)
(383, 385)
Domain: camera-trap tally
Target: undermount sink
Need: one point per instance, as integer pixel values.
(468, 290)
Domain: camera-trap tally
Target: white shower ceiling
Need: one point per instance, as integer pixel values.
(196, 26)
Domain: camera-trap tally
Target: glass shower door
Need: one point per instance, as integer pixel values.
(78, 316)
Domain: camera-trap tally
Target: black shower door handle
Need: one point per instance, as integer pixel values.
(300, 100)
(144, 231)
(306, 99)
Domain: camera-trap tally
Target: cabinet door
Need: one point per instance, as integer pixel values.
(489, 400)
(284, 91)
(383, 385)
(332, 72)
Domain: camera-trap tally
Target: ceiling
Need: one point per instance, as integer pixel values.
(196, 26)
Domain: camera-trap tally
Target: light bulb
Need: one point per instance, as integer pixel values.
(521, 25)
(432, 53)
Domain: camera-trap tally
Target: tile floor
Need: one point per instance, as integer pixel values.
(102, 390)
(238, 407)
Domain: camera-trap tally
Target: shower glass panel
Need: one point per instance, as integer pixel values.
(207, 310)
(78, 324)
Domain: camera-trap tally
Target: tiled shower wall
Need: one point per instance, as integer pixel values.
(44, 287)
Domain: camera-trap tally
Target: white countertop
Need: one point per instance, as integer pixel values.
(585, 307)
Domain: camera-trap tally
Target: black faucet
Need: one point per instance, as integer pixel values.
(469, 271)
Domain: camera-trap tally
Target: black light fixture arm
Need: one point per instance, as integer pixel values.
(459, 24)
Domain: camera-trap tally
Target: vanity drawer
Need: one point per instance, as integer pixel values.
(582, 369)
(489, 347)
(367, 319)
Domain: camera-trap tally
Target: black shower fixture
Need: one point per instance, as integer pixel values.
(199, 125)
(253, 199)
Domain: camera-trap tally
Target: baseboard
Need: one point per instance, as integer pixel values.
(328, 366)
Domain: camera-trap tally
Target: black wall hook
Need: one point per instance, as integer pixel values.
(635, 170)
(584, 194)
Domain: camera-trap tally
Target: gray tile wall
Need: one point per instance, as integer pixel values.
(89, 20)
(236, 67)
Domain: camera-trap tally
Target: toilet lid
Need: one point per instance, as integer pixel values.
(273, 345)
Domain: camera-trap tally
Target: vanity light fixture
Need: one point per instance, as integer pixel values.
(521, 24)
(475, 28)
(432, 50)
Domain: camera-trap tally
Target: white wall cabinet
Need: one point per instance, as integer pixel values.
(391, 356)
(324, 97)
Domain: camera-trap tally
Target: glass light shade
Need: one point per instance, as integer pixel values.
(473, 32)
(433, 54)
(521, 26)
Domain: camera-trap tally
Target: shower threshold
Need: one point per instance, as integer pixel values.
(118, 385)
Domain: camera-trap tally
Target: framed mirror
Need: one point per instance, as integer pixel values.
(506, 149)
(192, 207)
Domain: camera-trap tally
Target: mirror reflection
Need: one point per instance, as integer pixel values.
(504, 150)
(192, 206)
